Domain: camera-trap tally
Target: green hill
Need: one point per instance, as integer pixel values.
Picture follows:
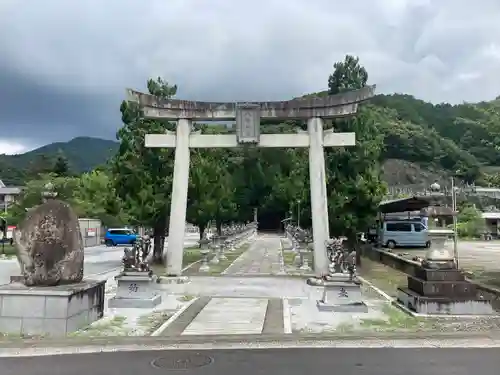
(83, 154)
(423, 142)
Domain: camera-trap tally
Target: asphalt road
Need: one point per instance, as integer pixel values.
(372, 361)
(98, 260)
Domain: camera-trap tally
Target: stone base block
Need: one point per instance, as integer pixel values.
(443, 305)
(442, 288)
(352, 307)
(135, 290)
(52, 311)
(338, 296)
(173, 280)
(134, 303)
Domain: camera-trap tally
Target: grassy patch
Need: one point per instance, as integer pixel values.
(487, 277)
(289, 257)
(217, 269)
(7, 249)
(383, 277)
(186, 298)
(151, 322)
(191, 255)
(111, 327)
(397, 320)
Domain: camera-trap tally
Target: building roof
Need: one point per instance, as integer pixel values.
(11, 190)
(404, 204)
(491, 215)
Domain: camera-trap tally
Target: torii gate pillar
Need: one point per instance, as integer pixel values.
(248, 116)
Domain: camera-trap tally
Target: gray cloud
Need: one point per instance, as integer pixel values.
(64, 65)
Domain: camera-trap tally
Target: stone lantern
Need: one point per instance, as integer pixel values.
(438, 256)
(49, 192)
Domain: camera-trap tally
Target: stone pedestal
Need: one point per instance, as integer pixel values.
(135, 290)
(342, 296)
(53, 311)
(442, 291)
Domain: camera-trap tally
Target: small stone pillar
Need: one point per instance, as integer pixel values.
(135, 290)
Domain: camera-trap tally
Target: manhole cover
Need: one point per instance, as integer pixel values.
(179, 361)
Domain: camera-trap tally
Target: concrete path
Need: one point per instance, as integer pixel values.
(262, 258)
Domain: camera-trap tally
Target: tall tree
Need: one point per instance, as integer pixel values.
(95, 196)
(211, 190)
(42, 164)
(143, 176)
(347, 75)
(61, 165)
(355, 186)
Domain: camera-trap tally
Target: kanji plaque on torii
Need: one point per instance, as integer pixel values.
(248, 123)
(247, 116)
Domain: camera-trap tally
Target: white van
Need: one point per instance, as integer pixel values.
(404, 233)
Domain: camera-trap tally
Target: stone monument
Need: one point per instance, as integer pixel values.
(136, 282)
(50, 296)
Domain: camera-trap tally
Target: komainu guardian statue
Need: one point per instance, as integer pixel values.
(50, 246)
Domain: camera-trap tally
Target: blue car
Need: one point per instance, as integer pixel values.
(120, 236)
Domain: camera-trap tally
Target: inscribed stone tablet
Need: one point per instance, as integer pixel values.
(248, 123)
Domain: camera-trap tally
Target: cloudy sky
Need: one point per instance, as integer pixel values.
(64, 64)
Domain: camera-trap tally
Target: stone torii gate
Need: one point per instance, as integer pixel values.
(248, 116)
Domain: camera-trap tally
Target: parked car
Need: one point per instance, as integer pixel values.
(120, 236)
(409, 233)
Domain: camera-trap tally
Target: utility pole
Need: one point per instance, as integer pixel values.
(454, 208)
(298, 213)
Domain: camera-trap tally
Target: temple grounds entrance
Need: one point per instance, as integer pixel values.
(248, 116)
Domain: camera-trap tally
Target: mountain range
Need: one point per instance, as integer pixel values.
(423, 142)
(83, 154)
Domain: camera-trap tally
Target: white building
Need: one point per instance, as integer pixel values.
(8, 195)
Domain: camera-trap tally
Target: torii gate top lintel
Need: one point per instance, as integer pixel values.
(340, 105)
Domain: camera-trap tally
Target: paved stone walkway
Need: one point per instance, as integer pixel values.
(229, 316)
(264, 257)
(236, 304)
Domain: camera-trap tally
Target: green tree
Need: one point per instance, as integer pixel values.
(355, 187)
(347, 75)
(95, 197)
(41, 164)
(469, 221)
(143, 176)
(32, 194)
(61, 165)
(203, 186)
